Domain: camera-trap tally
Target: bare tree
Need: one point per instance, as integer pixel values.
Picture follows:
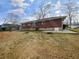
(11, 18)
(43, 9)
(71, 10)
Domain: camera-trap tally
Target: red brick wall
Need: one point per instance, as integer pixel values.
(44, 24)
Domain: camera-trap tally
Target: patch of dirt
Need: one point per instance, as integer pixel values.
(4, 35)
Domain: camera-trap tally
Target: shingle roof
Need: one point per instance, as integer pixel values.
(46, 19)
(52, 18)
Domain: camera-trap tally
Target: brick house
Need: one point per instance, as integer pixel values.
(52, 23)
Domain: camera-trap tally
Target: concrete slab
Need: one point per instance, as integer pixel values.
(64, 31)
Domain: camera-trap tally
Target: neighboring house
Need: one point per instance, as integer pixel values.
(5, 27)
(52, 23)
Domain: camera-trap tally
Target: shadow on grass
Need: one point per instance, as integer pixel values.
(27, 31)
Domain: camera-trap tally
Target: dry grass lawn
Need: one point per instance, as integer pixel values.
(38, 45)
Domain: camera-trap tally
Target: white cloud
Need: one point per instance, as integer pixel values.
(31, 0)
(48, 3)
(58, 11)
(20, 3)
(58, 5)
(21, 6)
(19, 10)
(16, 11)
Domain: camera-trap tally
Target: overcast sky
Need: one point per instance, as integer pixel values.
(23, 7)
